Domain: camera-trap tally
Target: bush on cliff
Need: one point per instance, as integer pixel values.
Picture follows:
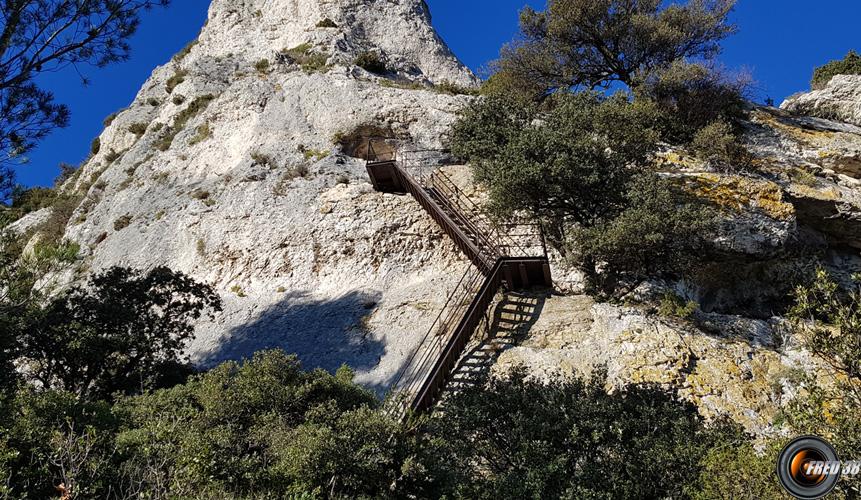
(849, 65)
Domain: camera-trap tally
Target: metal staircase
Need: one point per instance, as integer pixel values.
(511, 255)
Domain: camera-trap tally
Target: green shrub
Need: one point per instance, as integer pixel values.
(447, 87)
(112, 156)
(674, 306)
(177, 78)
(342, 179)
(314, 154)
(737, 470)
(200, 194)
(307, 58)
(152, 101)
(372, 62)
(185, 50)
(262, 159)
(849, 65)
(570, 439)
(95, 146)
(406, 85)
(803, 176)
(658, 233)
(327, 23)
(138, 129)
(204, 132)
(720, 147)
(122, 222)
(29, 200)
(826, 317)
(54, 228)
(262, 66)
(109, 119)
(194, 108)
(178, 99)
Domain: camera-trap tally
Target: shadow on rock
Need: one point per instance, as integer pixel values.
(322, 333)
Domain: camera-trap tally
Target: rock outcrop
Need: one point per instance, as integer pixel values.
(237, 164)
(229, 166)
(839, 100)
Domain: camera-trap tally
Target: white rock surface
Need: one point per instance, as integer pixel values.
(319, 264)
(839, 100)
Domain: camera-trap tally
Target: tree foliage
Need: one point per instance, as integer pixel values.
(692, 97)
(659, 233)
(526, 439)
(571, 164)
(265, 428)
(827, 319)
(22, 290)
(38, 36)
(117, 333)
(593, 43)
(849, 65)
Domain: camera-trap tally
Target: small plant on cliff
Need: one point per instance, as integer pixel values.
(122, 222)
(447, 87)
(674, 306)
(204, 132)
(849, 65)
(109, 119)
(185, 50)
(307, 58)
(194, 108)
(327, 23)
(138, 129)
(372, 62)
(175, 80)
(262, 66)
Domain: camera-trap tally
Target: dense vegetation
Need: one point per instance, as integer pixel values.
(849, 65)
(98, 401)
(545, 143)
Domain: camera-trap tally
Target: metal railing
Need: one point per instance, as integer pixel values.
(412, 376)
(499, 251)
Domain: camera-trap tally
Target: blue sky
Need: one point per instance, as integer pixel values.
(780, 42)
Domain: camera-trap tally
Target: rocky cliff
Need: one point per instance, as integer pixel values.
(797, 205)
(231, 165)
(237, 164)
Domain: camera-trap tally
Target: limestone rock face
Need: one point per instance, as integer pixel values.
(228, 167)
(731, 368)
(399, 31)
(840, 100)
(235, 164)
(817, 164)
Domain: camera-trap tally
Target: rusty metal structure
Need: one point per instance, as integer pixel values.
(512, 256)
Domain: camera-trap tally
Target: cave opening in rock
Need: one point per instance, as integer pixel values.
(356, 142)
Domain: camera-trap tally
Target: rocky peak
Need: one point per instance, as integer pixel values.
(398, 31)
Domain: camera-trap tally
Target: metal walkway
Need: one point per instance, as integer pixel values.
(513, 256)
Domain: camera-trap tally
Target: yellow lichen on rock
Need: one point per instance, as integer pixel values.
(677, 159)
(804, 191)
(739, 193)
(807, 136)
